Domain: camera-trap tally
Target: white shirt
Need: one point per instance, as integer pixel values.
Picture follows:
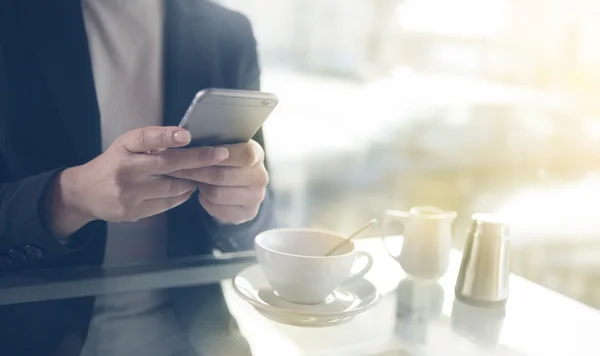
(125, 42)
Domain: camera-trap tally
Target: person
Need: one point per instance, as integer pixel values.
(91, 92)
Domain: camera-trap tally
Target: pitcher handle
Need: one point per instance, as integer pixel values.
(388, 216)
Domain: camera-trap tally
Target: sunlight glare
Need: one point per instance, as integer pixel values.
(567, 209)
(471, 18)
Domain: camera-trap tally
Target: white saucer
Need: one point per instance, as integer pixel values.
(342, 305)
(303, 320)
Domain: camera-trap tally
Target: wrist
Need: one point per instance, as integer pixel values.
(66, 211)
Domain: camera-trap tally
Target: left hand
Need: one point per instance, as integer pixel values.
(232, 190)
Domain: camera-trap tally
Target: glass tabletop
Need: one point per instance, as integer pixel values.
(189, 307)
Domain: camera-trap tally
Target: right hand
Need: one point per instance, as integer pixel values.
(128, 182)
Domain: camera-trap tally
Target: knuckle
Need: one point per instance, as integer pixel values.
(260, 196)
(243, 215)
(263, 177)
(188, 188)
(175, 201)
(225, 213)
(254, 212)
(173, 187)
(142, 137)
(185, 174)
(220, 176)
(190, 192)
(148, 137)
(214, 194)
(160, 162)
(171, 202)
(164, 137)
(249, 155)
(166, 204)
(179, 187)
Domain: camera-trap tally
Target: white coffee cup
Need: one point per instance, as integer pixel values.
(295, 264)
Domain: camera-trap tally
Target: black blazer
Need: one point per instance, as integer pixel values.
(49, 120)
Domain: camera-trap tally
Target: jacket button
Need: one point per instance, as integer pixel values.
(17, 255)
(5, 260)
(33, 251)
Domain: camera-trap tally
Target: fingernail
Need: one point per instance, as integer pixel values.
(221, 153)
(182, 136)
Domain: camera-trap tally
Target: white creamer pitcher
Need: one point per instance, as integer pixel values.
(427, 240)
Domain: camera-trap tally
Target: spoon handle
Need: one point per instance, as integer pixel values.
(349, 238)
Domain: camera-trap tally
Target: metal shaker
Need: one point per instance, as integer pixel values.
(484, 270)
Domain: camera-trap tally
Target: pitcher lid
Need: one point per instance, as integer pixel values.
(432, 212)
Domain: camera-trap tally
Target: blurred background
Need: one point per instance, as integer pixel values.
(469, 105)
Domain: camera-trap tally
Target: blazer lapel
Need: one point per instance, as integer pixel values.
(190, 55)
(59, 42)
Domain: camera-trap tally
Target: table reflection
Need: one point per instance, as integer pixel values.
(192, 321)
(480, 325)
(150, 328)
(419, 302)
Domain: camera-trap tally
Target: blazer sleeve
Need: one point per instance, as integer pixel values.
(229, 238)
(24, 236)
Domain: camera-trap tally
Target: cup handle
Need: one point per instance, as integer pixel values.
(364, 270)
(388, 216)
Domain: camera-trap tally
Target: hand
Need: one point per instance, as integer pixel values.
(128, 182)
(232, 190)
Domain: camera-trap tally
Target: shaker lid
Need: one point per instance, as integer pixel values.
(488, 225)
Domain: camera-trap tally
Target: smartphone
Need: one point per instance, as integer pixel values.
(224, 116)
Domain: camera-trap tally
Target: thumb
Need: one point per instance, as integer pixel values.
(154, 138)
